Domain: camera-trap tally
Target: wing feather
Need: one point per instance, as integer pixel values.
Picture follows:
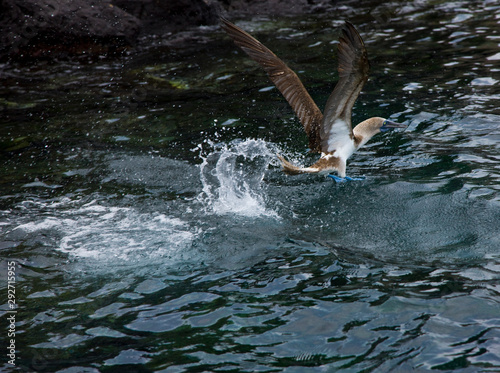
(353, 68)
(285, 80)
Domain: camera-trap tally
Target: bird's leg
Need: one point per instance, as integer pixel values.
(344, 179)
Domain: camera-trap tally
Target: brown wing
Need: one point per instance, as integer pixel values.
(285, 80)
(353, 73)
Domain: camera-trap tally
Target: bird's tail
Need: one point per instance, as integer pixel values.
(290, 168)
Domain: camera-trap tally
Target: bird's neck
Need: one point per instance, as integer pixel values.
(365, 130)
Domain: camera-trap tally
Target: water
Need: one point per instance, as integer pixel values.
(232, 178)
(153, 230)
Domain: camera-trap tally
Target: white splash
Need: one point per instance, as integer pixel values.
(232, 178)
(110, 234)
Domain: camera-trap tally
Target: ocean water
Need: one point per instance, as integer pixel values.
(151, 229)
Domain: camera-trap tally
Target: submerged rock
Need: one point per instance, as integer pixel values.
(245, 8)
(158, 17)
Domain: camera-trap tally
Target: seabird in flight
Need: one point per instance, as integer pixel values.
(330, 133)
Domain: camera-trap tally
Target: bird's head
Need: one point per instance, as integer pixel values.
(389, 125)
(370, 127)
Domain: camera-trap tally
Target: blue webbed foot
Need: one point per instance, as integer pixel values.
(354, 178)
(344, 179)
(337, 179)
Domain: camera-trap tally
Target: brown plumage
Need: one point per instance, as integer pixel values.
(331, 133)
(284, 79)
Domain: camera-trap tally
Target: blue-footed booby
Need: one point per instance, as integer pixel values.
(331, 133)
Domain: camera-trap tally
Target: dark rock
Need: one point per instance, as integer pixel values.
(56, 28)
(36, 28)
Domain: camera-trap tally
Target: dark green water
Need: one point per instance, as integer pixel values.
(153, 231)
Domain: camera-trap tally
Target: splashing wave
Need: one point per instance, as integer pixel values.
(232, 177)
(122, 234)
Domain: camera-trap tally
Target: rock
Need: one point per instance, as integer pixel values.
(58, 28)
(51, 28)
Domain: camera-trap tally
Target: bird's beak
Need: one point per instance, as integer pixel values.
(389, 125)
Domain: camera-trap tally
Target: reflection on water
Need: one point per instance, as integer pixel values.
(154, 232)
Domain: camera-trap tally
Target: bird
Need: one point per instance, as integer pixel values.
(330, 133)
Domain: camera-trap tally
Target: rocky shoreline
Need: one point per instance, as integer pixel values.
(55, 29)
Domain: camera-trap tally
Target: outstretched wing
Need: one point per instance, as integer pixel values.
(353, 71)
(285, 80)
